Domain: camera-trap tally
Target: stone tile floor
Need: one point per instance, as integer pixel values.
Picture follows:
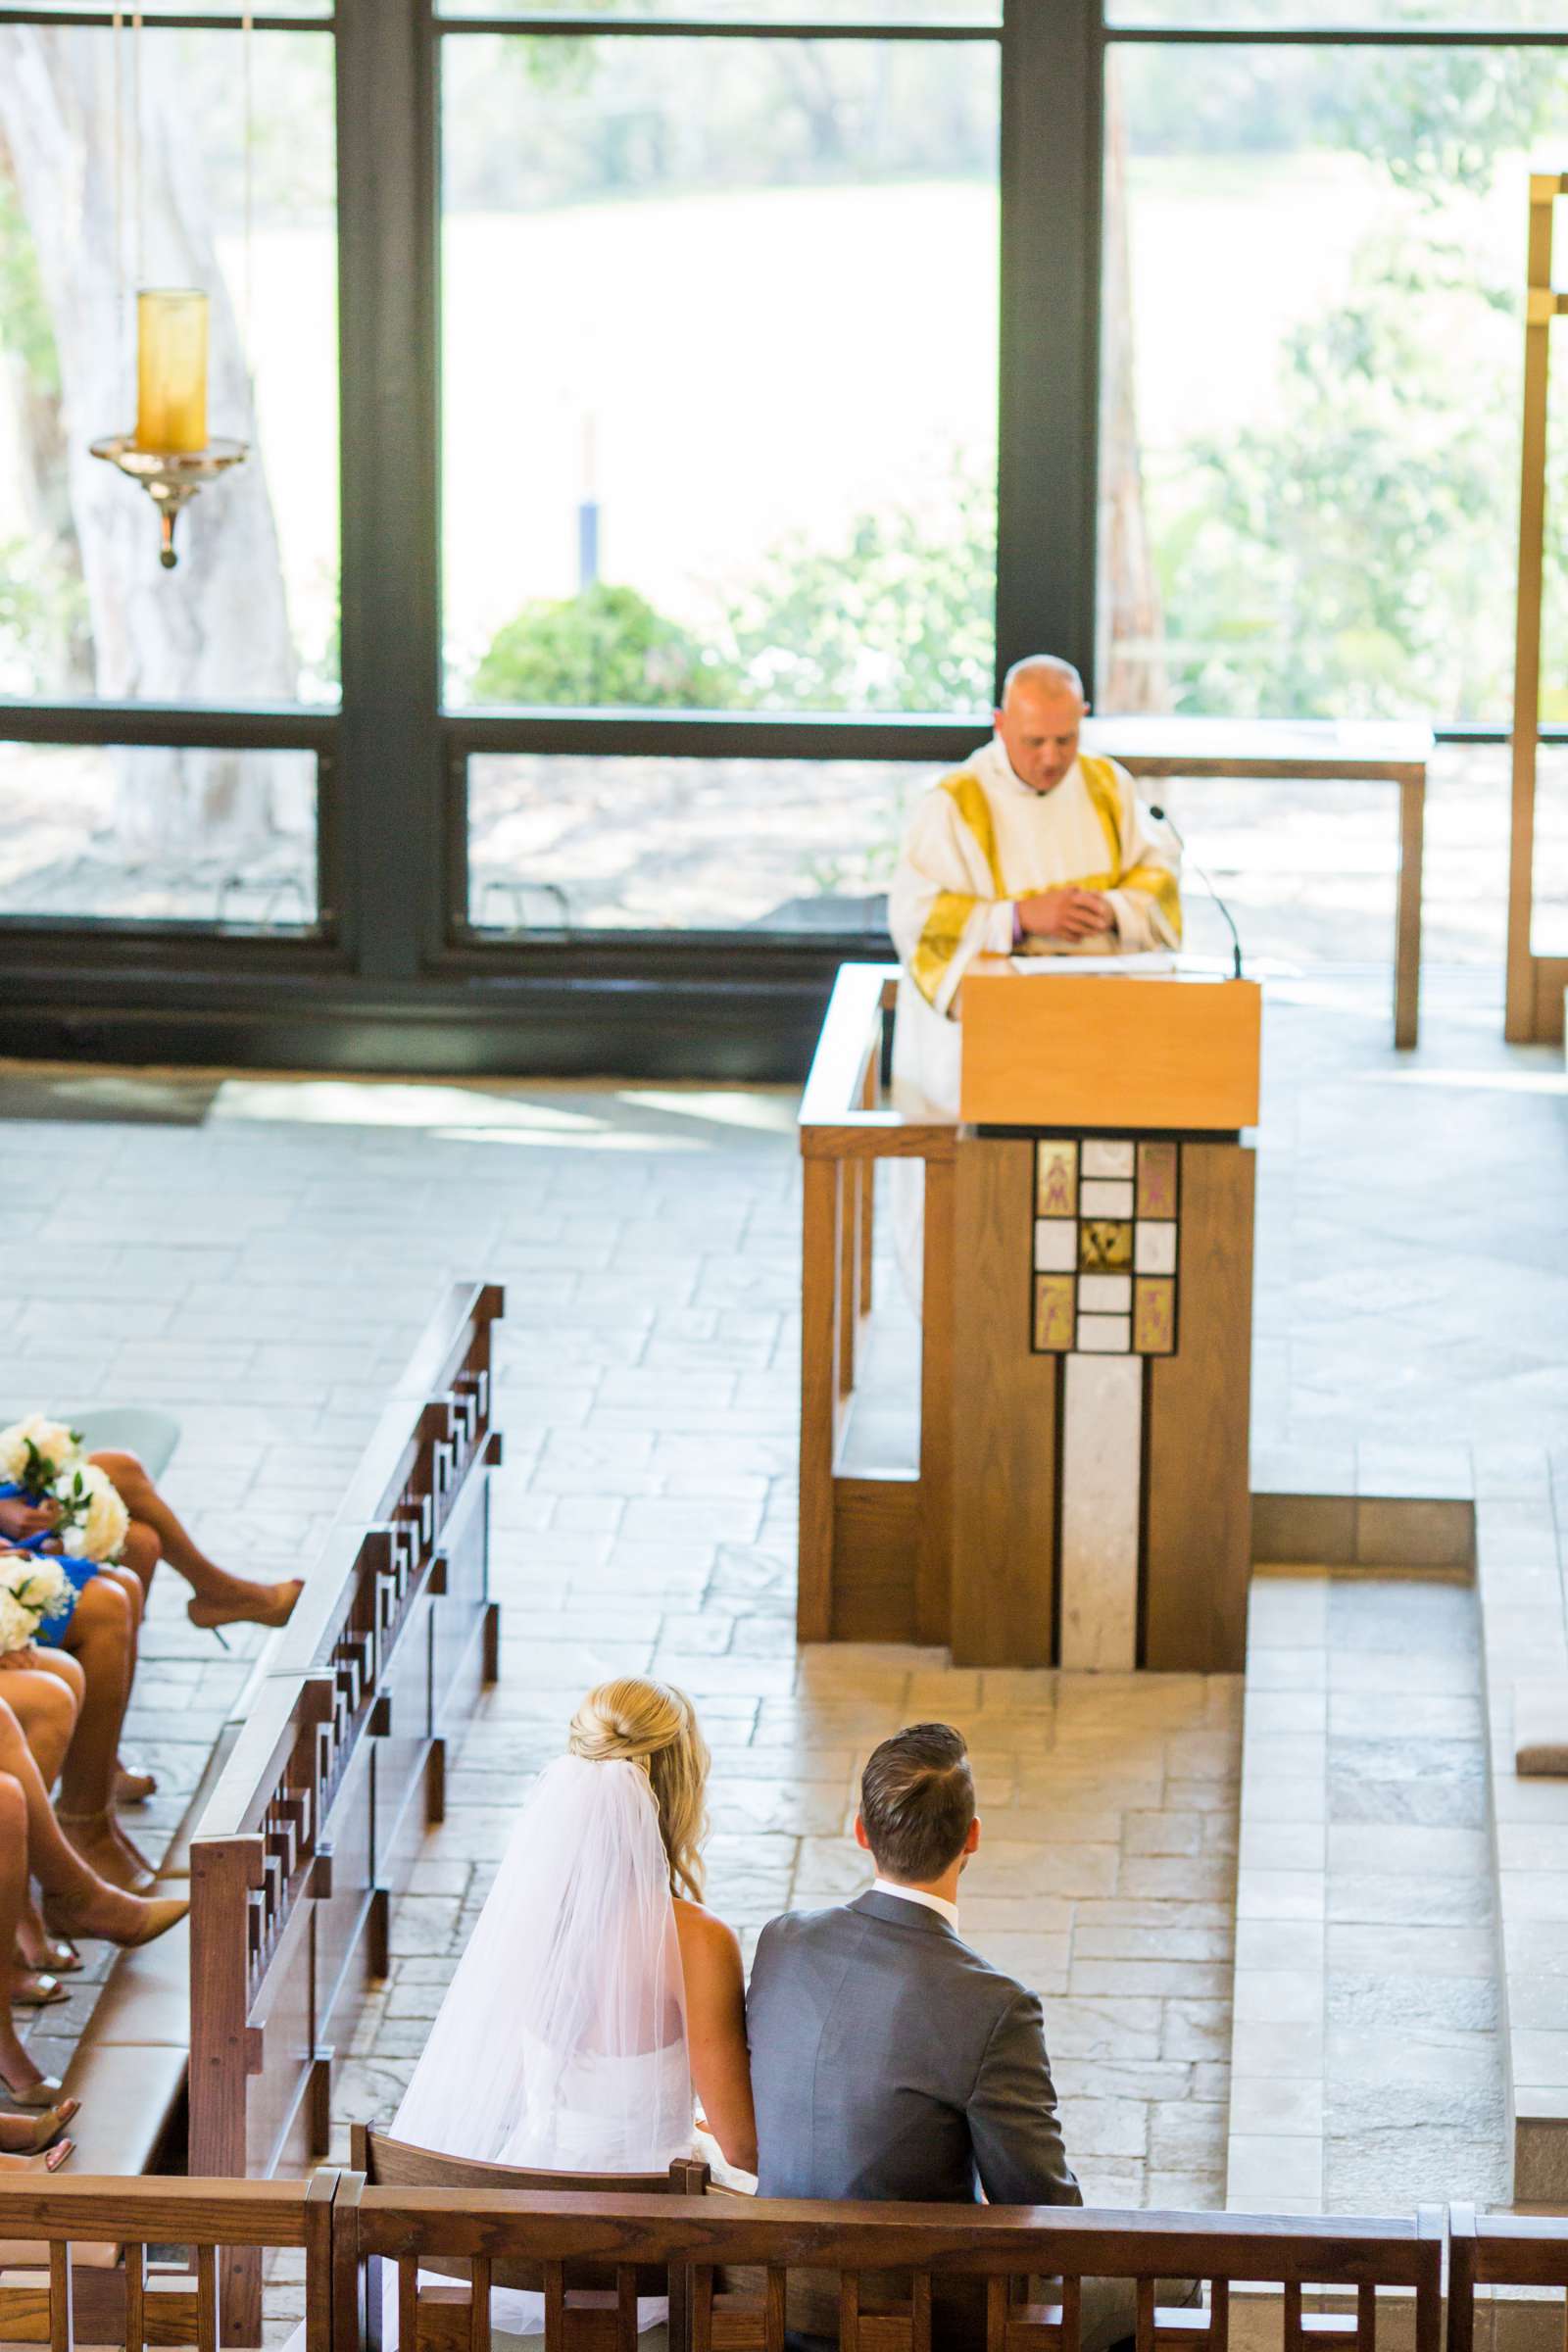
(1105, 1878)
(259, 1255)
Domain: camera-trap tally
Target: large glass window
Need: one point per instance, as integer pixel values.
(1310, 390)
(719, 383)
(126, 161)
(97, 833)
(563, 844)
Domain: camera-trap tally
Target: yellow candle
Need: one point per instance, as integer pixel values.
(170, 369)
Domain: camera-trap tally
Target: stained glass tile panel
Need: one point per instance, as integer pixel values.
(1053, 1313)
(1056, 1178)
(1105, 1245)
(1154, 1315)
(1056, 1245)
(1156, 1180)
(1156, 1248)
(1103, 1197)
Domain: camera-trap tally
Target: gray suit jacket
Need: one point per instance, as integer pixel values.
(888, 2060)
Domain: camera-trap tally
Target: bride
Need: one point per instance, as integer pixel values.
(596, 1993)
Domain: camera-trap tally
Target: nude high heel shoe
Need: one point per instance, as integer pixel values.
(42, 2091)
(31, 2134)
(107, 1850)
(273, 1607)
(128, 1920)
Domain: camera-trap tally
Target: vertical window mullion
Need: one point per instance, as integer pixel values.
(1051, 114)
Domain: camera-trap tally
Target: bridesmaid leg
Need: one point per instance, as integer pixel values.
(102, 1635)
(221, 1598)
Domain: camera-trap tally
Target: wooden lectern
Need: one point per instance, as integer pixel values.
(1082, 1496)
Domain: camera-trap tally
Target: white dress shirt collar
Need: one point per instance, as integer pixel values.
(918, 1894)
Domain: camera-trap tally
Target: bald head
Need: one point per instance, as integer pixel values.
(1040, 713)
(1047, 669)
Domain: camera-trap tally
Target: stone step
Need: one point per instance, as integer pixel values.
(1368, 2058)
(1523, 1595)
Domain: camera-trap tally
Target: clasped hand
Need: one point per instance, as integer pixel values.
(21, 1521)
(1066, 913)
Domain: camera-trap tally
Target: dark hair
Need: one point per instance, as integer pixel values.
(917, 1802)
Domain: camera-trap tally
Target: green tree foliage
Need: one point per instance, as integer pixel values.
(1342, 561)
(1439, 119)
(899, 617)
(26, 337)
(45, 644)
(1352, 556)
(607, 646)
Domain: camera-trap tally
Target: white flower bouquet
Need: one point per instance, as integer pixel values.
(31, 1589)
(91, 1522)
(36, 1451)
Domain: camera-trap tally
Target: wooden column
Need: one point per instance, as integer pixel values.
(224, 1874)
(1004, 1418)
(1407, 923)
(1197, 1550)
(1522, 1017)
(819, 1394)
(934, 1568)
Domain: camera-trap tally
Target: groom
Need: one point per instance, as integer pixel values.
(891, 2061)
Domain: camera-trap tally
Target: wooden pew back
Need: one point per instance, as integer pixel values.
(348, 2228)
(1502, 2249)
(147, 2301)
(322, 1806)
(923, 2248)
(440, 2318)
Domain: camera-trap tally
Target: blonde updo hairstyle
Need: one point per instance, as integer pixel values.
(653, 1724)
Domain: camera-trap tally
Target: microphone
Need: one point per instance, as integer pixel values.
(1164, 816)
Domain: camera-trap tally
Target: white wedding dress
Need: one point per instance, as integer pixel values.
(560, 2044)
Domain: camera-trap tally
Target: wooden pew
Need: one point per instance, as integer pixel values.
(144, 2300)
(586, 2288)
(216, 2045)
(347, 2227)
(1502, 2250)
(890, 2265)
(322, 1806)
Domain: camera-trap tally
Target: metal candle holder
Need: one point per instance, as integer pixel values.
(171, 477)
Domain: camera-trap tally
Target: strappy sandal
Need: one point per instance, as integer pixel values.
(31, 2134)
(35, 1989)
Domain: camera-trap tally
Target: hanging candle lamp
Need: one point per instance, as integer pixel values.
(170, 452)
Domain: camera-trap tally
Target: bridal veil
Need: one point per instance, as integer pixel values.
(562, 2040)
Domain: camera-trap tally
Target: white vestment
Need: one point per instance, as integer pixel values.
(979, 841)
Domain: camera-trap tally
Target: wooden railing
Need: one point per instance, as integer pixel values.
(860, 1534)
(740, 2270)
(1508, 2251)
(54, 2298)
(311, 1830)
(886, 2278)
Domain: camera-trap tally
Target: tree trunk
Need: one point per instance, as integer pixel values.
(1132, 629)
(215, 630)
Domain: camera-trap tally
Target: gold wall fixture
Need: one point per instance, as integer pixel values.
(171, 452)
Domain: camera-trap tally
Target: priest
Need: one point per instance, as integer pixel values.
(1031, 846)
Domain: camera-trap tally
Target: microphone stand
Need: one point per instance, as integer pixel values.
(1164, 816)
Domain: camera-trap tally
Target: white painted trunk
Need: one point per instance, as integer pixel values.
(215, 630)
